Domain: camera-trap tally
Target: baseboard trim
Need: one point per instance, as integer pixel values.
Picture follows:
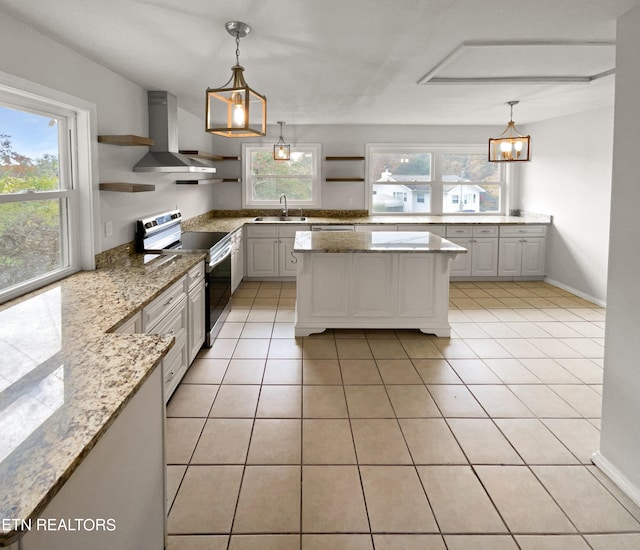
(613, 473)
(579, 293)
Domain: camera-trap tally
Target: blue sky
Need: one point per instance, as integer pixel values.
(30, 134)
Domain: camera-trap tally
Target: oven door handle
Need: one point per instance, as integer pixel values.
(221, 257)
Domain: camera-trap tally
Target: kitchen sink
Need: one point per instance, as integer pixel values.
(280, 219)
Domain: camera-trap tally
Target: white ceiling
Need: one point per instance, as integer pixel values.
(348, 61)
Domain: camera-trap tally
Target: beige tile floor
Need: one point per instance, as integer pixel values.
(394, 439)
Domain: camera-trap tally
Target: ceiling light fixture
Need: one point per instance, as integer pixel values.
(511, 145)
(281, 150)
(234, 109)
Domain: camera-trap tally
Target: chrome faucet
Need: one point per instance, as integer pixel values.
(285, 212)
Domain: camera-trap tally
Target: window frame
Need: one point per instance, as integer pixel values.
(77, 195)
(436, 183)
(247, 182)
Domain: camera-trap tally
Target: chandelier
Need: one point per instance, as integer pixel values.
(235, 109)
(510, 145)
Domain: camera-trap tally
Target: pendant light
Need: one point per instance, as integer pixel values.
(234, 109)
(511, 145)
(281, 150)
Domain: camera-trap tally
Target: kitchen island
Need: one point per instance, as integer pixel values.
(392, 280)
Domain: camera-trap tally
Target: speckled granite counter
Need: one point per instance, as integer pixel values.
(64, 378)
(209, 223)
(377, 241)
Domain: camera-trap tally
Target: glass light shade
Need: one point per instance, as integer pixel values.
(510, 146)
(281, 151)
(236, 111)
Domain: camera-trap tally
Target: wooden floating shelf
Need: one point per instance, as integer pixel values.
(127, 187)
(344, 158)
(344, 179)
(203, 155)
(199, 182)
(126, 140)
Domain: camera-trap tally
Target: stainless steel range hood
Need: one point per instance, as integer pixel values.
(163, 128)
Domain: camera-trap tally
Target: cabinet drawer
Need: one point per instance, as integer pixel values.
(195, 275)
(175, 323)
(485, 230)
(289, 231)
(523, 230)
(153, 312)
(270, 230)
(459, 231)
(174, 367)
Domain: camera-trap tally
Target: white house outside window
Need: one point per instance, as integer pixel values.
(431, 179)
(266, 179)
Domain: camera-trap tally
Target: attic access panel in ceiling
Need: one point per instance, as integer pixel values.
(496, 62)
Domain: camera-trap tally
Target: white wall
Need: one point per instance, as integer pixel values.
(569, 177)
(620, 437)
(122, 109)
(345, 141)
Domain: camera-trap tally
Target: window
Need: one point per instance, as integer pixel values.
(400, 179)
(265, 179)
(41, 238)
(481, 190)
(415, 179)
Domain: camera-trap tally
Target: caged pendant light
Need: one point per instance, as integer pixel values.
(234, 109)
(281, 150)
(511, 145)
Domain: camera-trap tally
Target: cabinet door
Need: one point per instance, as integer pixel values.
(262, 257)
(196, 312)
(372, 287)
(533, 253)
(237, 263)
(510, 257)
(461, 264)
(484, 257)
(287, 260)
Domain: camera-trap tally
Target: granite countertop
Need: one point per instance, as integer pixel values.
(373, 241)
(64, 377)
(207, 223)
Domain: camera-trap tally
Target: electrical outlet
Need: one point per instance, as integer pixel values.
(219, 200)
(108, 229)
(350, 201)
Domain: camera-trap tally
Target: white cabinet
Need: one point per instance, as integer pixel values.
(121, 481)
(522, 251)
(196, 304)
(237, 259)
(270, 250)
(481, 242)
(262, 257)
(287, 260)
(374, 290)
(168, 314)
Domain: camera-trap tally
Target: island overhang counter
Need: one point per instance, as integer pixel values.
(373, 280)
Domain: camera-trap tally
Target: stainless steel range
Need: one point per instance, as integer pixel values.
(162, 234)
